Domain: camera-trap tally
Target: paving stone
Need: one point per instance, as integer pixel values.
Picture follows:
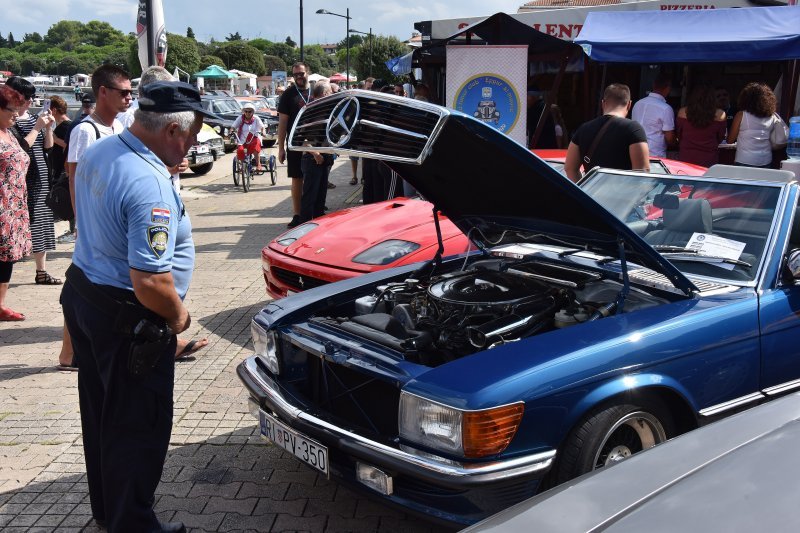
(237, 522)
(226, 490)
(267, 506)
(209, 522)
(191, 505)
(285, 522)
(227, 505)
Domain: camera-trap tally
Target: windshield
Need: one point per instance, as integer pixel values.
(703, 227)
(226, 106)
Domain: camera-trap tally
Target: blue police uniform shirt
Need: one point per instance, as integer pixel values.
(129, 216)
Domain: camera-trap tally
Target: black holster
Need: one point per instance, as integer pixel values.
(149, 333)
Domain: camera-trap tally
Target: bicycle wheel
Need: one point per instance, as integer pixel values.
(247, 172)
(271, 166)
(236, 171)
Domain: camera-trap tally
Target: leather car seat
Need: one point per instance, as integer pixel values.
(691, 216)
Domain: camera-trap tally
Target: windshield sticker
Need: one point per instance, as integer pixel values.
(716, 246)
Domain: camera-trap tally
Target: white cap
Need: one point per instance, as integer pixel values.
(248, 105)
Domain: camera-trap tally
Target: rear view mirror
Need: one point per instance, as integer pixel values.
(793, 264)
(665, 201)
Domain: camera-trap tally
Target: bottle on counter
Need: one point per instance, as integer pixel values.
(793, 145)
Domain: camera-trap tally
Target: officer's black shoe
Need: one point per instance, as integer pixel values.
(295, 222)
(101, 523)
(173, 527)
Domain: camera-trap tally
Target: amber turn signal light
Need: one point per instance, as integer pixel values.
(489, 432)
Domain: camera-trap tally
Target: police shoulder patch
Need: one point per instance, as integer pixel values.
(157, 238)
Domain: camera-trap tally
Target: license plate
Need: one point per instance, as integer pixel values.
(204, 158)
(310, 452)
(202, 149)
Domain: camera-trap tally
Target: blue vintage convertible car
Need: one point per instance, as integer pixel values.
(589, 323)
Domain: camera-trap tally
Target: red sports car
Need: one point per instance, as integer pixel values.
(373, 237)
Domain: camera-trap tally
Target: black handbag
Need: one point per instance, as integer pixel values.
(58, 198)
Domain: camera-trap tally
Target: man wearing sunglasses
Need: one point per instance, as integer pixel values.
(289, 106)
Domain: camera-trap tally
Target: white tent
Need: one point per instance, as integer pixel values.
(316, 77)
(241, 73)
(39, 80)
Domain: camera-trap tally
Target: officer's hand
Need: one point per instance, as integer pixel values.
(281, 155)
(182, 323)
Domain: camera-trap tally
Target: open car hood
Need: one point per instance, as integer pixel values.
(482, 180)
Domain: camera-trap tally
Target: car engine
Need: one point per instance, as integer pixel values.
(494, 302)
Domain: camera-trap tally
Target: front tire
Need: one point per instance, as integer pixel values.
(236, 171)
(247, 171)
(610, 434)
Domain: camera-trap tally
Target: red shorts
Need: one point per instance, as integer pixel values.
(253, 147)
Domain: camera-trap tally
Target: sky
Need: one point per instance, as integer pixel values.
(263, 18)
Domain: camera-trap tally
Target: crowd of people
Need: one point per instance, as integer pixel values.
(696, 131)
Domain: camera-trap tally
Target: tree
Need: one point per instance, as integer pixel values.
(208, 60)
(31, 64)
(242, 56)
(274, 63)
(32, 38)
(290, 42)
(101, 34)
(318, 61)
(66, 34)
(3, 41)
(190, 33)
(182, 53)
(233, 37)
(261, 44)
(117, 56)
(287, 53)
(71, 65)
(383, 49)
(355, 40)
(11, 42)
(13, 65)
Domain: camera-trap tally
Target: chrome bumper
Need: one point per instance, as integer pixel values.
(425, 464)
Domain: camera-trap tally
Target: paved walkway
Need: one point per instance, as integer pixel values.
(219, 475)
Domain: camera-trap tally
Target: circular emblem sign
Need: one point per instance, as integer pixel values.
(342, 121)
(491, 99)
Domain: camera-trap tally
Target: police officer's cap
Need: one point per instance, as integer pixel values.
(88, 99)
(171, 97)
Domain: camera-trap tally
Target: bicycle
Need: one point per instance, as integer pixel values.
(243, 163)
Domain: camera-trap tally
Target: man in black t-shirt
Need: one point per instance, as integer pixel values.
(289, 106)
(613, 140)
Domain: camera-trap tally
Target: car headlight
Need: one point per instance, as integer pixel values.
(265, 346)
(386, 252)
(295, 233)
(470, 434)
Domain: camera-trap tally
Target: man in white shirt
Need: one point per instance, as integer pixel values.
(657, 117)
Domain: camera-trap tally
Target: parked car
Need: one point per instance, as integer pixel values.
(378, 236)
(581, 332)
(227, 109)
(738, 474)
(208, 149)
(262, 104)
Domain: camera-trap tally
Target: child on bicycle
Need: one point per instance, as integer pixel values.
(248, 124)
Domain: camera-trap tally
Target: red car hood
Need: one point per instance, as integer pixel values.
(345, 234)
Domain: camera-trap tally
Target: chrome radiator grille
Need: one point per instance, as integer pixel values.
(368, 124)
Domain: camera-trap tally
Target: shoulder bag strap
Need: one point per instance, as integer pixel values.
(588, 157)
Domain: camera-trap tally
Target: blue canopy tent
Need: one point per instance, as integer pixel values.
(713, 35)
(756, 34)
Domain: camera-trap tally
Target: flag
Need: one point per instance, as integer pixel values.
(400, 65)
(159, 38)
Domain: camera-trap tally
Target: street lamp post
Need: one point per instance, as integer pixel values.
(301, 32)
(346, 40)
(370, 47)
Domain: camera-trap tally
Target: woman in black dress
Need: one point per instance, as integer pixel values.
(37, 135)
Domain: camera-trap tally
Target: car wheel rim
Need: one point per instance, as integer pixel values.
(631, 434)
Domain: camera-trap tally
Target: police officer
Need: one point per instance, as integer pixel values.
(123, 302)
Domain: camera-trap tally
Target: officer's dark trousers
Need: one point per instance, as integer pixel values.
(126, 421)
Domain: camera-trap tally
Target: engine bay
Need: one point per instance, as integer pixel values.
(495, 301)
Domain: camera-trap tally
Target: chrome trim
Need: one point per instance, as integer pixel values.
(392, 129)
(484, 472)
(771, 244)
(443, 113)
(731, 404)
(783, 387)
(310, 124)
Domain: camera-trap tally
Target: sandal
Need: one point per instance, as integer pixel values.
(354, 181)
(43, 278)
(7, 315)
